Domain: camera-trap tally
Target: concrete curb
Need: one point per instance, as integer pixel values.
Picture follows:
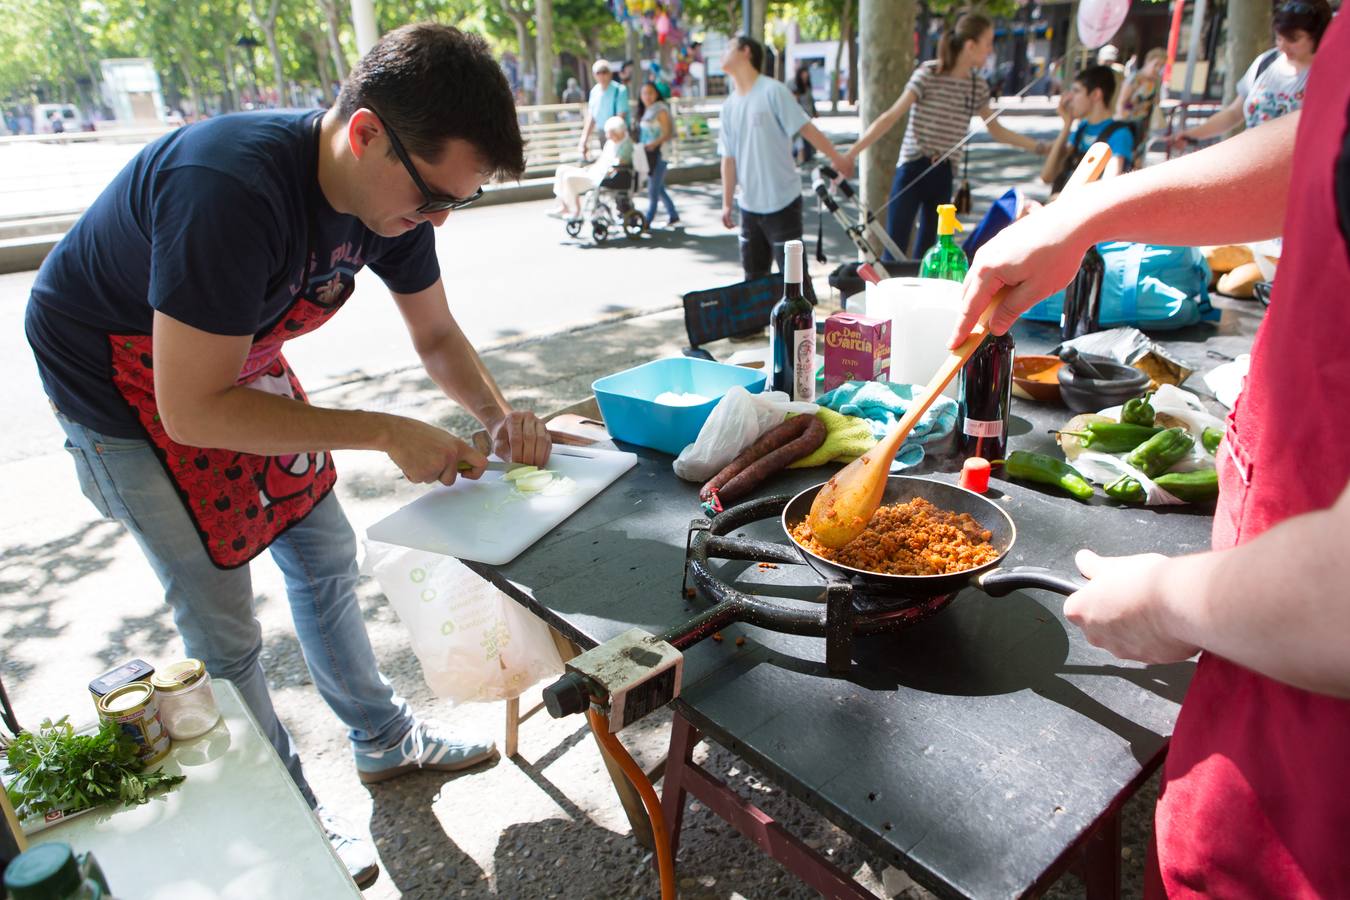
(28, 241)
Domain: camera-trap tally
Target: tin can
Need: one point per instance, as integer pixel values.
(135, 709)
(127, 672)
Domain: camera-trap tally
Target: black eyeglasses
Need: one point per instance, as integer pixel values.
(435, 202)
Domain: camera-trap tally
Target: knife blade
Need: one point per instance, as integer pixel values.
(497, 465)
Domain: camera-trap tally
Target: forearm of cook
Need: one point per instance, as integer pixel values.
(459, 372)
(253, 421)
(1203, 197)
(1276, 605)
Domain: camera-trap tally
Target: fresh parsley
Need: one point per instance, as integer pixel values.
(56, 769)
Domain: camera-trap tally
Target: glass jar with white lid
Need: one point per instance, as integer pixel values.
(187, 705)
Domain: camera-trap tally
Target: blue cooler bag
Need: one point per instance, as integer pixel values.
(1147, 286)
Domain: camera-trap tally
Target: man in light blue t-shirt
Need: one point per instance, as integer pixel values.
(1088, 102)
(758, 122)
(608, 98)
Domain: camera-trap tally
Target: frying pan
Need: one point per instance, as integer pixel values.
(990, 578)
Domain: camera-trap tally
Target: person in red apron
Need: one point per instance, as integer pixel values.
(158, 324)
(1256, 795)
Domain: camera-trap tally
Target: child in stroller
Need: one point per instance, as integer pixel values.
(605, 187)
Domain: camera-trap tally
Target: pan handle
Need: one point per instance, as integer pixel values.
(1001, 582)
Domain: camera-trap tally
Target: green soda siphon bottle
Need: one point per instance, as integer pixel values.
(944, 259)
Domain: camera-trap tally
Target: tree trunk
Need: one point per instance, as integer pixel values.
(853, 45)
(759, 10)
(193, 96)
(886, 28)
(1072, 47)
(632, 42)
(268, 25)
(278, 76)
(546, 88)
(334, 34)
(320, 47)
(526, 50)
(1248, 35)
(845, 39)
(230, 98)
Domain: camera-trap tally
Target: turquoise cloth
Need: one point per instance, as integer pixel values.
(882, 405)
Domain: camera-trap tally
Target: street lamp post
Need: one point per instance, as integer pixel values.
(248, 43)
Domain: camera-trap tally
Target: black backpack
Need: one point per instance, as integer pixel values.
(1076, 156)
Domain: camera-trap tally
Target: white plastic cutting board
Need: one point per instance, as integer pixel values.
(487, 521)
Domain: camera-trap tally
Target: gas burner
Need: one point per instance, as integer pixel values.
(845, 607)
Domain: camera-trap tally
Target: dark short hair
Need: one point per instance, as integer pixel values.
(756, 50)
(1311, 16)
(432, 83)
(1098, 78)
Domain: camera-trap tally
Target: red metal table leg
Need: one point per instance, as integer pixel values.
(684, 777)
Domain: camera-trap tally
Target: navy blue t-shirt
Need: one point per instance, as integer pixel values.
(209, 225)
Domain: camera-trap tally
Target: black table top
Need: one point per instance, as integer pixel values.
(976, 749)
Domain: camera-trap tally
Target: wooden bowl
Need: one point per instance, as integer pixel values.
(1037, 378)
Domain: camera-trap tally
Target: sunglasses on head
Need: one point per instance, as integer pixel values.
(434, 202)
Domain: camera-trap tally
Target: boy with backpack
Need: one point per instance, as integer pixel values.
(1089, 102)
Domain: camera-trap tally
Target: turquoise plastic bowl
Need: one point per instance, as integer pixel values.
(628, 399)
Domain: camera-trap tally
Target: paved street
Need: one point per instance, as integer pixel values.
(76, 596)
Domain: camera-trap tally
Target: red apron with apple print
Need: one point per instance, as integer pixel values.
(239, 502)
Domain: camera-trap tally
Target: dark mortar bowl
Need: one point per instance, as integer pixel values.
(1091, 394)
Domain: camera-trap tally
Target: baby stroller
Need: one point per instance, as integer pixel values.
(610, 205)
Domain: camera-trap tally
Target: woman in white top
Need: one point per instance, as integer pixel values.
(944, 94)
(1273, 85)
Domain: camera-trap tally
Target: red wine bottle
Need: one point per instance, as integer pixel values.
(1083, 298)
(792, 333)
(984, 399)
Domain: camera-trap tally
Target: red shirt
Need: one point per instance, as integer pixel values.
(1256, 789)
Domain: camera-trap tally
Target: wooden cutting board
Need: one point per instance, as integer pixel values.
(487, 521)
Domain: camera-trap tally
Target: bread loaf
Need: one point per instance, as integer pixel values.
(1227, 258)
(1241, 282)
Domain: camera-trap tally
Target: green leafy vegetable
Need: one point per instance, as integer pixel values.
(57, 769)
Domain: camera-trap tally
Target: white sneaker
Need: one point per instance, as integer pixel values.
(356, 853)
(425, 746)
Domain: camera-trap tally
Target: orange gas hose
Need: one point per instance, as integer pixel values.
(664, 860)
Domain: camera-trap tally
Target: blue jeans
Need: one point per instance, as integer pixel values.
(922, 201)
(656, 190)
(213, 608)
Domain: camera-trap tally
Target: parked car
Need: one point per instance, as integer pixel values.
(69, 115)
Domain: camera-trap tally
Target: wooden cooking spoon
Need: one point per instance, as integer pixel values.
(843, 507)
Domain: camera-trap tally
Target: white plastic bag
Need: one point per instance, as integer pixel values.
(475, 643)
(735, 422)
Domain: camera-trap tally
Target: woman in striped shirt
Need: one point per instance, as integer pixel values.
(943, 94)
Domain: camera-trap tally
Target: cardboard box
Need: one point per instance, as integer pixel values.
(856, 349)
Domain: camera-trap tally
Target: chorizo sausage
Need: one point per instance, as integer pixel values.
(752, 475)
(770, 440)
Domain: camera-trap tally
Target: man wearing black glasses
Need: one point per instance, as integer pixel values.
(158, 324)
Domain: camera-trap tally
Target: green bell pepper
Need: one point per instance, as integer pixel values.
(1138, 411)
(1193, 487)
(1210, 439)
(1126, 489)
(1162, 451)
(1025, 466)
(1112, 437)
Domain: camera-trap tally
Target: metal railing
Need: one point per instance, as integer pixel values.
(552, 133)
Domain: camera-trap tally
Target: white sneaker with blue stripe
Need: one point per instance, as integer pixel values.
(425, 746)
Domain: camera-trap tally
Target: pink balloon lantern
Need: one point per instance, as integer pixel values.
(1099, 20)
(662, 27)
